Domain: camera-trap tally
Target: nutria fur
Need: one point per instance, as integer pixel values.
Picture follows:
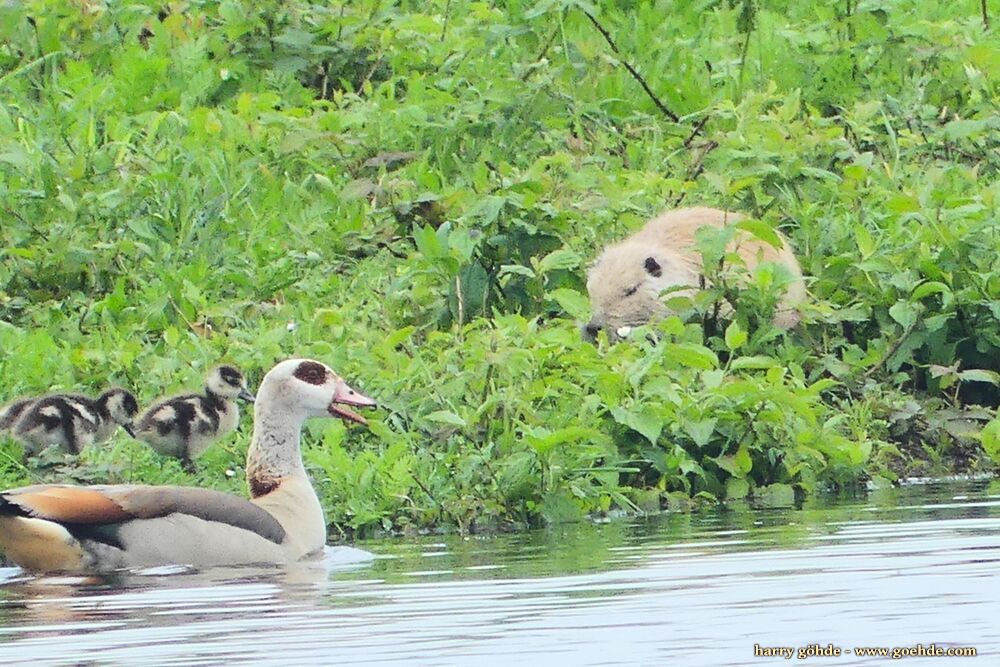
(627, 279)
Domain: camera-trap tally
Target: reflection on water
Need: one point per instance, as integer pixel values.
(911, 566)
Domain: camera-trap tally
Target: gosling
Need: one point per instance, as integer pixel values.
(184, 426)
(10, 413)
(69, 421)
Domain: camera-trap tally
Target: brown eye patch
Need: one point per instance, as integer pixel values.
(311, 372)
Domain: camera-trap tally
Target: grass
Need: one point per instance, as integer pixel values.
(411, 192)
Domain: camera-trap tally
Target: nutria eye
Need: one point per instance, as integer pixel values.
(631, 290)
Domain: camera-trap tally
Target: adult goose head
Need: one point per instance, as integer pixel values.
(99, 528)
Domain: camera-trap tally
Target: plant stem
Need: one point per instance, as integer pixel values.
(631, 70)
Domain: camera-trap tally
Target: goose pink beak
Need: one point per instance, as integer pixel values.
(343, 396)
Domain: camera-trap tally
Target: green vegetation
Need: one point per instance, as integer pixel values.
(411, 191)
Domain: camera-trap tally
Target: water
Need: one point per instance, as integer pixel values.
(909, 566)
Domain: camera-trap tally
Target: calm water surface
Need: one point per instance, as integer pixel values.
(903, 567)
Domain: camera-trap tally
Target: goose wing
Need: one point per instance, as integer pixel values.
(82, 506)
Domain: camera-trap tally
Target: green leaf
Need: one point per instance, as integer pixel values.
(516, 269)
(980, 375)
(775, 495)
(902, 204)
(542, 440)
(559, 506)
(905, 313)
(692, 355)
(713, 379)
(866, 244)
(446, 417)
(645, 421)
(928, 288)
(575, 304)
(963, 129)
(735, 336)
(761, 231)
(756, 362)
(559, 259)
(743, 460)
(700, 431)
(737, 488)
(990, 439)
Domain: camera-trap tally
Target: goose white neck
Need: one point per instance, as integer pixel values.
(275, 453)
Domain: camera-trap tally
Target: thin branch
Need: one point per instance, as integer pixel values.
(986, 15)
(541, 54)
(631, 70)
(697, 167)
(694, 133)
(444, 26)
(26, 67)
(898, 343)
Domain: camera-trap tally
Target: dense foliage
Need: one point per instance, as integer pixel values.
(411, 191)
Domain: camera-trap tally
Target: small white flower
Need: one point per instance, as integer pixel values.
(291, 326)
(623, 332)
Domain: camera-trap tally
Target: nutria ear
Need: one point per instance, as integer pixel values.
(653, 267)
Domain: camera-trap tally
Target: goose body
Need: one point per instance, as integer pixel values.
(69, 421)
(184, 426)
(101, 528)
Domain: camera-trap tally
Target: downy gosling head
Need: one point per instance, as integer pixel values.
(184, 426)
(70, 421)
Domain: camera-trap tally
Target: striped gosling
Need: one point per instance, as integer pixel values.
(184, 426)
(69, 421)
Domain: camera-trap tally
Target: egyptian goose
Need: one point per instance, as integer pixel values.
(184, 426)
(100, 528)
(69, 421)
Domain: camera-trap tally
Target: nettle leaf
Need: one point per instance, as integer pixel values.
(428, 242)
(990, 439)
(559, 259)
(980, 375)
(738, 464)
(864, 240)
(737, 489)
(735, 336)
(575, 304)
(928, 288)
(775, 495)
(644, 420)
(762, 231)
(516, 269)
(700, 431)
(755, 362)
(692, 355)
(543, 441)
(963, 129)
(728, 463)
(446, 417)
(713, 379)
(487, 210)
(743, 459)
(905, 313)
